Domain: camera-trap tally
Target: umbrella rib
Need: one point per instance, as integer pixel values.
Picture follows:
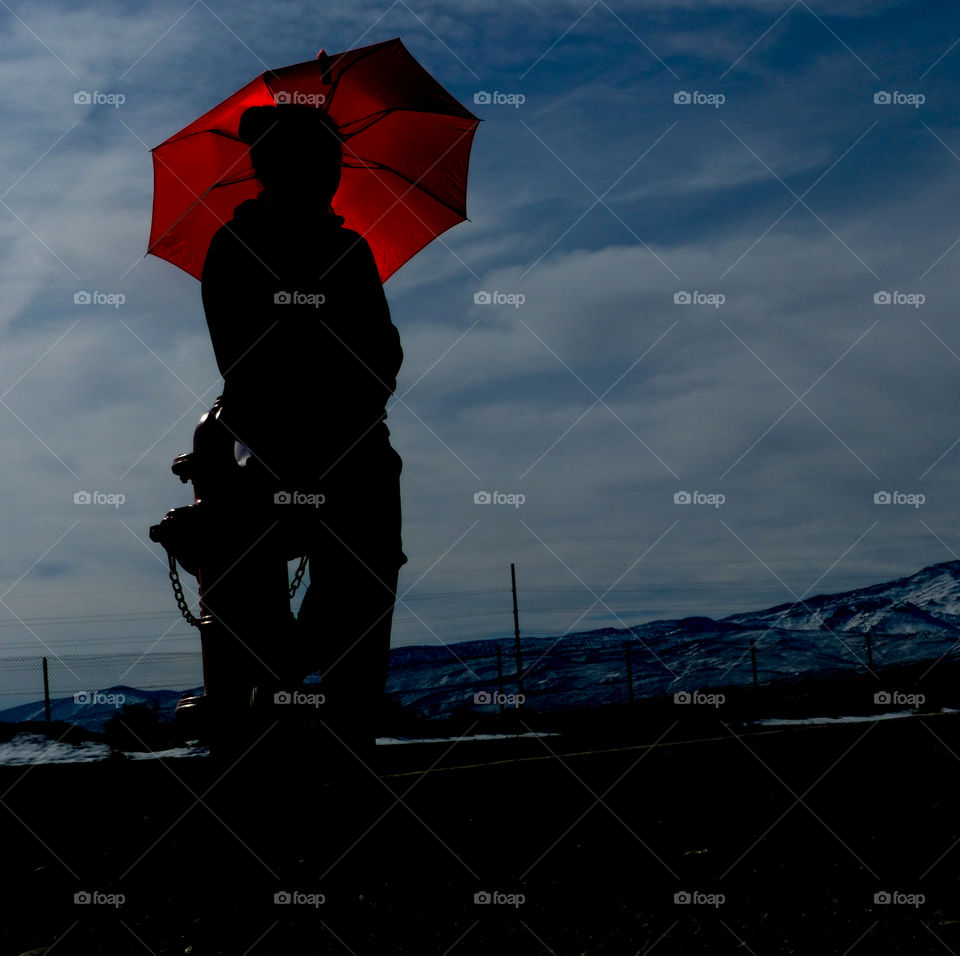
(398, 200)
(188, 210)
(199, 199)
(183, 215)
(373, 49)
(414, 184)
(381, 114)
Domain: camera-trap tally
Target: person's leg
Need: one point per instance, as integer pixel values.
(347, 612)
(346, 615)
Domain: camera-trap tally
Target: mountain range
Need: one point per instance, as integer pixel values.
(912, 619)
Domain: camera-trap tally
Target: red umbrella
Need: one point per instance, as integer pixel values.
(405, 156)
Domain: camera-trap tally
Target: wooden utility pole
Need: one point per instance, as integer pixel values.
(46, 691)
(500, 676)
(516, 628)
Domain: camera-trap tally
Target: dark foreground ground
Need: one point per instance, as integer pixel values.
(780, 841)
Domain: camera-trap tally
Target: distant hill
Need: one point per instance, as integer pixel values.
(913, 618)
(96, 708)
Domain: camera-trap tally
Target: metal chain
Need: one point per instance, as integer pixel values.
(298, 575)
(178, 593)
(191, 618)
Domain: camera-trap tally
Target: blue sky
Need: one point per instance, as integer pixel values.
(599, 199)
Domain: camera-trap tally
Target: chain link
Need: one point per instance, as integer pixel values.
(184, 608)
(298, 575)
(178, 593)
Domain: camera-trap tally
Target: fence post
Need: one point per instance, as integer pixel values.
(46, 691)
(753, 661)
(516, 629)
(626, 646)
(500, 676)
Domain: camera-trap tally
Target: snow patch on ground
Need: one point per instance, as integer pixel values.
(857, 719)
(27, 748)
(24, 749)
(392, 741)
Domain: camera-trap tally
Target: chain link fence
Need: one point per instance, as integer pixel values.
(438, 681)
(38, 688)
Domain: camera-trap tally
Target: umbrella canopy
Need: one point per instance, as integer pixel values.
(405, 156)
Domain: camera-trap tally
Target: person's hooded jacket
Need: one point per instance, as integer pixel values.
(302, 335)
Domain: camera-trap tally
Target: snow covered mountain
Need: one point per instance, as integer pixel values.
(926, 601)
(914, 618)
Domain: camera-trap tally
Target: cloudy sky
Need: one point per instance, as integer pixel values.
(732, 154)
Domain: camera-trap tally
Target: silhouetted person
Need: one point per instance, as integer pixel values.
(303, 338)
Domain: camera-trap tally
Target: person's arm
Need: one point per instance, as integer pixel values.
(372, 333)
(237, 293)
(223, 296)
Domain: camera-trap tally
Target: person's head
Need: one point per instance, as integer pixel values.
(296, 152)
